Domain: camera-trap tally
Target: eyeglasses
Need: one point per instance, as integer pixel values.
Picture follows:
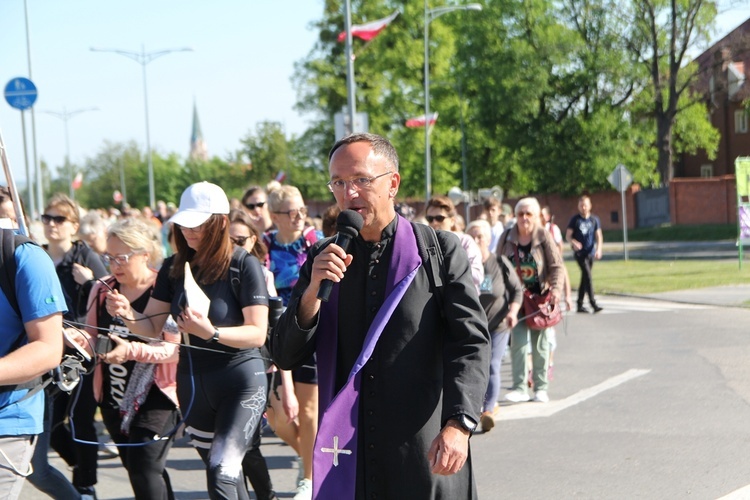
(120, 260)
(359, 183)
(239, 240)
(293, 213)
(523, 214)
(433, 218)
(196, 229)
(57, 219)
(253, 206)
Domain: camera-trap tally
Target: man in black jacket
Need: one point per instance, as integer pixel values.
(403, 362)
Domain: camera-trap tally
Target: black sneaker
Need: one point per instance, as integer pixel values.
(87, 492)
(597, 309)
(582, 309)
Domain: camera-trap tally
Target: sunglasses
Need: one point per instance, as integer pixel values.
(253, 206)
(57, 219)
(433, 218)
(239, 240)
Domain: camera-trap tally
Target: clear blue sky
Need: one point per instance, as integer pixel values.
(239, 73)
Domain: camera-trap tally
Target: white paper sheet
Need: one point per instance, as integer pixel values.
(196, 299)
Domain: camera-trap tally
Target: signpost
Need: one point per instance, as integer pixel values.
(621, 179)
(742, 174)
(21, 94)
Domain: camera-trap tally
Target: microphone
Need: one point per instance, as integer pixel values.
(348, 225)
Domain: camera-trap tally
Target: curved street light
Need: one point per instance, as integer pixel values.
(65, 116)
(429, 16)
(143, 58)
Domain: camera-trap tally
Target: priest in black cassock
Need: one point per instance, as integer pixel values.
(402, 365)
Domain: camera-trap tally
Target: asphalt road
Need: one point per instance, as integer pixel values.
(650, 399)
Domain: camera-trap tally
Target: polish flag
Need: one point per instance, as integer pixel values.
(77, 181)
(280, 177)
(368, 31)
(419, 121)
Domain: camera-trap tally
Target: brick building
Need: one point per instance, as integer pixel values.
(724, 70)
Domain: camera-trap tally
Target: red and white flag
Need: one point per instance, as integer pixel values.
(419, 121)
(368, 31)
(77, 181)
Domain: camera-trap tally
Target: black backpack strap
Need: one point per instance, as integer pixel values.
(236, 265)
(432, 257)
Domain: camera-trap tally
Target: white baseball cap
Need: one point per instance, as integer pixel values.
(199, 202)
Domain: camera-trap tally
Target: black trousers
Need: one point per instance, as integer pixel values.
(585, 262)
(146, 464)
(79, 417)
(255, 468)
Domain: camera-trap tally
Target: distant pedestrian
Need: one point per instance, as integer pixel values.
(585, 236)
(493, 209)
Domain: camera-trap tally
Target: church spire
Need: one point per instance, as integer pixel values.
(198, 150)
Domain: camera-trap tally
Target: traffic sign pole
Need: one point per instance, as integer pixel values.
(21, 94)
(624, 214)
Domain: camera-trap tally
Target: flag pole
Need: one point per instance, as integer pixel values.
(351, 101)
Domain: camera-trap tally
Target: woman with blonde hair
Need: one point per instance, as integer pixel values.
(134, 383)
(531, 249)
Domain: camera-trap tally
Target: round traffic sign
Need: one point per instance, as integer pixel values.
(20, 93)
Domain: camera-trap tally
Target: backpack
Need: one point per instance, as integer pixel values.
(432, 258)
(275, 305)
(9, 241)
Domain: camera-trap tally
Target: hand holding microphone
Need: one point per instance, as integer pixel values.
(348, 225)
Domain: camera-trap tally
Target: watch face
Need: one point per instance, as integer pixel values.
(467, 423)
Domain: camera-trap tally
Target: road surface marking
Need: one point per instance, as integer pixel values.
(740, 494)
(537, 410)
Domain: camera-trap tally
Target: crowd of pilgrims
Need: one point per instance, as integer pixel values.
(142, 383)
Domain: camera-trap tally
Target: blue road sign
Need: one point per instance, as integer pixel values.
(20, 93)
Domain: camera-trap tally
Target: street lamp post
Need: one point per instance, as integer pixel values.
(429, 16)
(143, 58)
(65, 116)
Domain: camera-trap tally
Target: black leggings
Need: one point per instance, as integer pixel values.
(146, 465)
(223, 408)
(82, 457)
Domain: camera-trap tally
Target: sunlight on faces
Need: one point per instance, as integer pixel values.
(258, 214)
(239, 232)
(125, 272)
(59, 232)
(289, 223)
(481, 236)
(434, 216)
(193, 236)
(7, 211)
(374, 203)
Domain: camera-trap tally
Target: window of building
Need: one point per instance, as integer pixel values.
(740, 121)
(707, 170)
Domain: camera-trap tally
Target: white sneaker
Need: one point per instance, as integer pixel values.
(541, 397)
(304, 490)
(517, 397)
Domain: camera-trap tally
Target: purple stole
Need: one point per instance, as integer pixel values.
(335, 452)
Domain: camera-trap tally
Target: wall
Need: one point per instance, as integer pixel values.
(703, 201)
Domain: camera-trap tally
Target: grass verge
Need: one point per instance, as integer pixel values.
(645, 276)
(700, 232)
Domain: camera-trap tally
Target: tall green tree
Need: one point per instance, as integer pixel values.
(663, 32)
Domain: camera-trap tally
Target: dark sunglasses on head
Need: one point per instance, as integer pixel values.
(433, 218)
(239, 240)
(253, 206)
(58, 219)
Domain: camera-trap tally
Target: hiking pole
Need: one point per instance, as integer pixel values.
(12, 188)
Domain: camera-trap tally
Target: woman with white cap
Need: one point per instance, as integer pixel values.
(221, 385)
